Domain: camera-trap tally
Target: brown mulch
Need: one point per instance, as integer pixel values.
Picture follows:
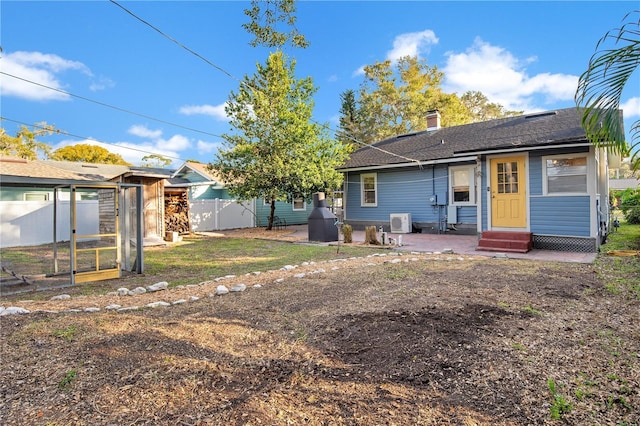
(430, 340)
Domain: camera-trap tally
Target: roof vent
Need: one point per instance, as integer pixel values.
(540, 114)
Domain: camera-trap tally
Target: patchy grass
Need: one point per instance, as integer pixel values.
(194, 260)
(479, 341)
(621, 274)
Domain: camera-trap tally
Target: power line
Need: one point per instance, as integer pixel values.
(228, 74)
(63, 132)
(111, 106)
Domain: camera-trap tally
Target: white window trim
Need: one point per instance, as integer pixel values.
(265, 202)
(363, 176)
(472, 185)
(43, 196)
(589, 174)
(304, 205)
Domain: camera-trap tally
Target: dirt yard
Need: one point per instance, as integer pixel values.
(396, 340)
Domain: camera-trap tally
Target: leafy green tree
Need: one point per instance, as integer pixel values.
(630, 205)
(277, 152)
(395, 99)
(266, 18)
(600, 89)
(25, 143)
(155, 161)
(482, 110)
(86, 153)
(351, 129)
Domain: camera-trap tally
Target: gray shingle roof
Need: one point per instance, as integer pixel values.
(545, 128)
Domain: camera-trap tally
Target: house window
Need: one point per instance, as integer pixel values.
(299, 204)
(267, 202)
(36, 196)
(369, 190)
(565, 174)
(462, 185)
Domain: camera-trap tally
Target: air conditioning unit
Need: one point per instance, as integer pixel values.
(400, 223)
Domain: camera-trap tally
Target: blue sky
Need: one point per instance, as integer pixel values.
(131, 87)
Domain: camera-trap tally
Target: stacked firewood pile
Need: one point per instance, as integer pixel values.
(176, 213)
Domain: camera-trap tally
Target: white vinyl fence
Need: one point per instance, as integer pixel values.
(30, 223)
(218, 214)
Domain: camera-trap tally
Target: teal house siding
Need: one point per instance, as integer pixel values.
(17, 194)
(284, 211)
(208, 193)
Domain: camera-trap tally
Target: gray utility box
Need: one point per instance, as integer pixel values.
(322, 222)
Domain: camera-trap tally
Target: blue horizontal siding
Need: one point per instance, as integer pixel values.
(404, 191)
(467, 214)
(567, 216)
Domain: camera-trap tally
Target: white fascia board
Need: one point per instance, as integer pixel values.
(521, 149)
(412, 164)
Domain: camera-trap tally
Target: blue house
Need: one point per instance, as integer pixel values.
(201, 184)
(531, 181)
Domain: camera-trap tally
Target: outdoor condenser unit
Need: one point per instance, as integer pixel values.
(400, 223)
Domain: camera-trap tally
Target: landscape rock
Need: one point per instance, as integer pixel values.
(137, 290)
(13, 310)
(238, 288)
(220, 290)
(157, 304)
(162, 285)
(61, 297)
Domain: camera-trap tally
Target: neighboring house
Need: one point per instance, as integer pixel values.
(533, 177)
(102, 214)
(152, 182)
(211, 207)
(24, 183)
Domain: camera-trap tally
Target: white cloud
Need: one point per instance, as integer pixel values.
(206, 147)
(133, 152)
(631, 108)
(101, 84)
(359, 71)
(215, 111)
(502, 77)
(407, 44)
(35, 67)
(144, 131)
(411, 44)
(175, 143)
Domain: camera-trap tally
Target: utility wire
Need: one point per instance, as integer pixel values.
(228, 74)
(111, 106)
(63, 132)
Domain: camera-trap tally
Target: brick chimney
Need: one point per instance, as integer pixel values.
(433, 120)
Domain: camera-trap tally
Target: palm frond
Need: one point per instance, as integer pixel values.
(600, 87)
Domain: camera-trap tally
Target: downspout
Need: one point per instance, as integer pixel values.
(344, 197)
(479, 194)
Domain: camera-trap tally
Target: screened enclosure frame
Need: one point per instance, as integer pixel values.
(108, 243)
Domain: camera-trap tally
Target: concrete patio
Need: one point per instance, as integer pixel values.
(459, 244)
